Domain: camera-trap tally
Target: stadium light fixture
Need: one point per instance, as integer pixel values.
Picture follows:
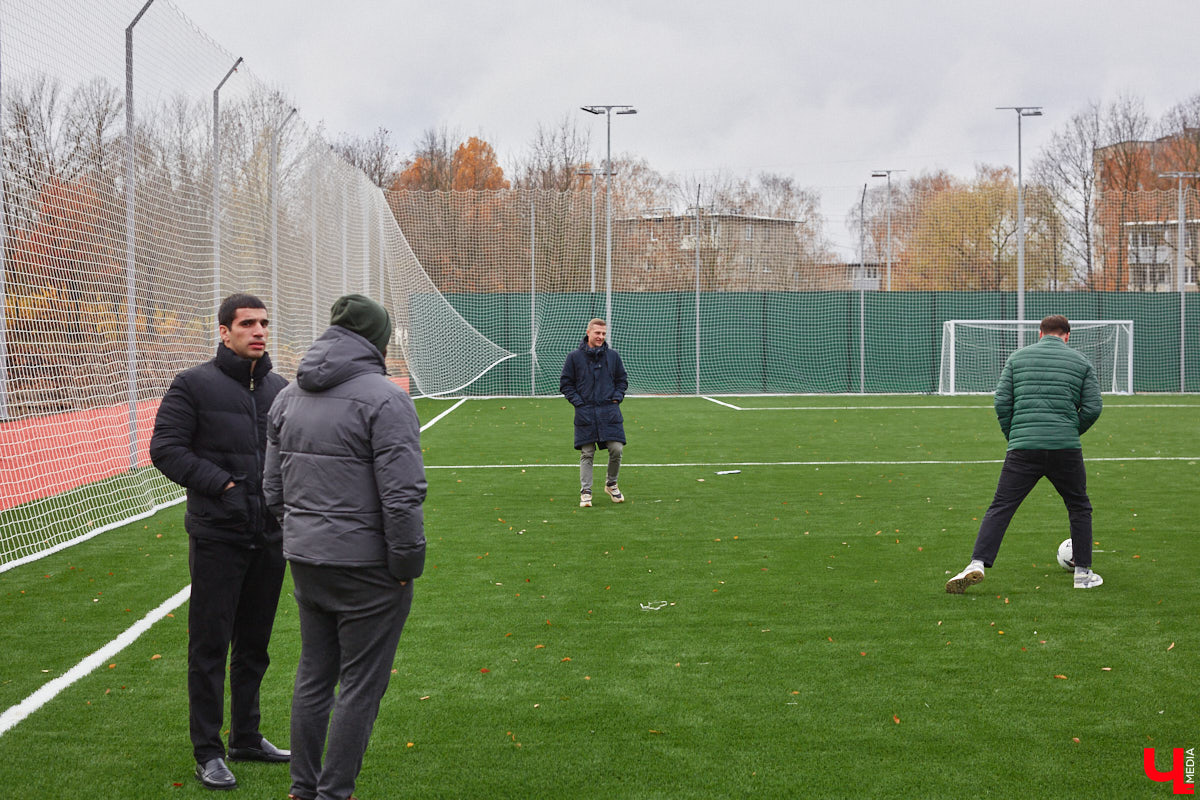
(1022, 111)
(887, 173)
(607, 111)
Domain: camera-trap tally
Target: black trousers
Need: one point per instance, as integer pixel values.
(1021, 471)
(235, 592)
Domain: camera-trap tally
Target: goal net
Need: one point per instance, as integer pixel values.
(974, 352)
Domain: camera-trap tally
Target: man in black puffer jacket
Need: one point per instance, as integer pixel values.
(345, 475)
(210, 437)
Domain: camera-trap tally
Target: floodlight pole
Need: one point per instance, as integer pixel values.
(1180, 246)
(130, 230)
(607, 111)
(274, 185)
(1022, 111)
(216, 189)
(881, 173)
(593, 174)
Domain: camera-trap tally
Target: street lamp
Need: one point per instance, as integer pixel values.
(1022, 111)
(607, 111)
(887, 173)
(1180, 246)
(216, 201)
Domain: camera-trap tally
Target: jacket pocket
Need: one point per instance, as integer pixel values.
(230, 509)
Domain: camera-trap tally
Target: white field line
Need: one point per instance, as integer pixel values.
(798, 463)
(49, 691)
(435, 420)
(926, 408)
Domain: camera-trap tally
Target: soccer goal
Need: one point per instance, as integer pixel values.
(974, 352)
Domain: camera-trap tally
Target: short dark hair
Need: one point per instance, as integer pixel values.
(231, 304)
(1055, 324)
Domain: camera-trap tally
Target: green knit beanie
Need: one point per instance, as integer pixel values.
(362, 315)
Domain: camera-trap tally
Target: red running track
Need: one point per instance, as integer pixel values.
(49, 455)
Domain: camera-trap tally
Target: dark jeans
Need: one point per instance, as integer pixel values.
(350, 624)
(235, 592)
(1021, 471)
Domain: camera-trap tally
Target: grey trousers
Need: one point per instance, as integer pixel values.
(350, 624)
(587, 457)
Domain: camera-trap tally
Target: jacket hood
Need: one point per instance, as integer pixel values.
(335, 357)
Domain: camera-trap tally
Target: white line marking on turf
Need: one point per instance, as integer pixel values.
(434, 421)
(49, 691)
(723, 403)
(799, 463)
(923, 408)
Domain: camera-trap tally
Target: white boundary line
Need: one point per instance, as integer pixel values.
(435, 420)
(800, 463)
(937, 408)
(49, 691)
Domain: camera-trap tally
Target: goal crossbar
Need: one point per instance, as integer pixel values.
(974, 367)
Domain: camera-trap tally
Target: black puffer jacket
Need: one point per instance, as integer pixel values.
(211, 429)
(344, 468)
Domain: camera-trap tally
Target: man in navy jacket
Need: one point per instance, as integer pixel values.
(594, 380)
(210, 436)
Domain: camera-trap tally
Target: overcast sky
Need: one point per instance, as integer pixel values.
(825, 92)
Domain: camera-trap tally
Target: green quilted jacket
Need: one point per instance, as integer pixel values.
(1048, 395)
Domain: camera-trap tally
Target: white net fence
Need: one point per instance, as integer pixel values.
(119, 241)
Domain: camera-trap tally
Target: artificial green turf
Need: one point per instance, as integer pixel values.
(806, 649)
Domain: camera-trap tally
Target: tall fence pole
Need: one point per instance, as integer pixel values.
(697, 288)
(533, 331)
(274, 185)
(216, 190)
(130, 274)
(3, 267)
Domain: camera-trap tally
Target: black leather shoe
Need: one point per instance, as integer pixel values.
(264, 752)
(215, 775)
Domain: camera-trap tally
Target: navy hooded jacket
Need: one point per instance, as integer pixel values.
(594, 380)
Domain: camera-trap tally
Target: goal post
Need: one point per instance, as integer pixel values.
(974, 352)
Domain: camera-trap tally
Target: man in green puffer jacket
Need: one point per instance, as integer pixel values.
(1048, 395)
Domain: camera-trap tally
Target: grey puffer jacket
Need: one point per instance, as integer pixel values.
(344, 472)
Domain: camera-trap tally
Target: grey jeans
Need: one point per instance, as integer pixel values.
(350, 624)
(587, 456)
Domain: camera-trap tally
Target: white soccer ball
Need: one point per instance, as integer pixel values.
(1066, 556)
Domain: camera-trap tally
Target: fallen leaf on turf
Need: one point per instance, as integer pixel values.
(654, 731)
(538, 646)
(1075, 739)
(1061, 677)
(895, 719)
(155, 657)
(1106, 669)
(409, 744)
(1172, 647)
(568, 658)
(426, 697)
(485, 670)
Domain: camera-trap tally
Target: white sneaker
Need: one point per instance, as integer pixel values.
(615, 493)
(1087, 580)
(970, 576)
(585, 499)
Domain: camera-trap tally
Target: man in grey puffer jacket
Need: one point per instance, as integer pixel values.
(1047, 397)
(345, 477)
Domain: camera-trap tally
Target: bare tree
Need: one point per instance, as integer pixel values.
(1066, 167)
(554, 157)
(373, 154)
